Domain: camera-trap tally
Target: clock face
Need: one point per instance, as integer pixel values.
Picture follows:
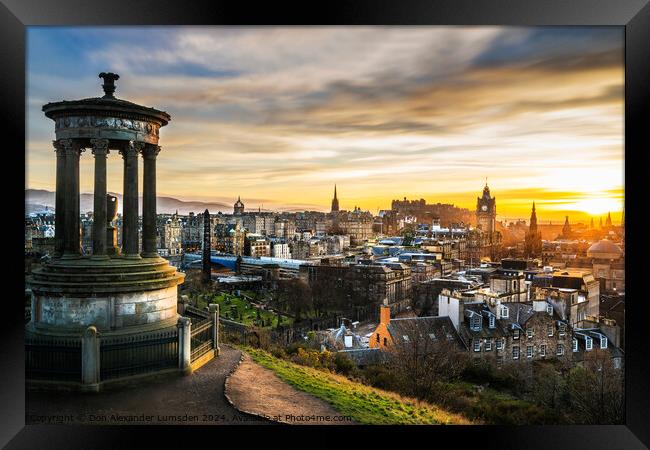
(484, 207)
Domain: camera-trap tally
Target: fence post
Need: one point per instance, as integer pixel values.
(214, 313)
(182, 302)
(90, 359)
(184, 326)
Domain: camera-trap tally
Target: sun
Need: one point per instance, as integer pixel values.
(597, 206)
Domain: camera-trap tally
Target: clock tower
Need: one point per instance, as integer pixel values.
(486, 211)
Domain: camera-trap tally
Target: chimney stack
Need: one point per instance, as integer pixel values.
(384, 314)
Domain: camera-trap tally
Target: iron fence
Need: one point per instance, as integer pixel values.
(53, 358)
(200, 338)
(135, 354)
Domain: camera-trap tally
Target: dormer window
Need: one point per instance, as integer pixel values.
(575, 345)
(475, 322)
(589, 344)
(492, 322)
(549, 310)
(603, 342)
(505, 312)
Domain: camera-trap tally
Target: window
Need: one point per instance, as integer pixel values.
(549, 309)
(550, 330)
(542, 350)
(575, 345)
(500, 344)
(530, 332)
(492, 324)
(406, 338)
(560, 349)
(515, 352)
(477, 345)
(529, 351)
(562, 328)
(589, 344)
(515, 334)
(505, 312)
(377, 337)
(488, 345)
(603, 342)
(475, 322)
(432, 336)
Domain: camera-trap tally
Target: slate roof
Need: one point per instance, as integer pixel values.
(440, 327)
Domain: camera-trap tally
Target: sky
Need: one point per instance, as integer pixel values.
(278, 115)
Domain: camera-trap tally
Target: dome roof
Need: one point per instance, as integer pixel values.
(604, 249)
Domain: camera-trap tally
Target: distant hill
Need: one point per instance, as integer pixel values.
(40, 199)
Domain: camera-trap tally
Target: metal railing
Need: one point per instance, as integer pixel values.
(201, 339)
(53, 358)
(135, 354)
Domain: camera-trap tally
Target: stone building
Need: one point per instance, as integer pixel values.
(508, 332)
(575, 294)
(365, 284)
(357, 225)
(192, 234)
(238, 208)
(284, 228)
(256, 245)
(229, 238)
(280, 250)
(429, 331)
(485, 241)
(608, 265)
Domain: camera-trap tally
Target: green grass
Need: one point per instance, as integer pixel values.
(240, 310)
(365, 404)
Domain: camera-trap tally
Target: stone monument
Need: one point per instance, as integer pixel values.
(117, 291)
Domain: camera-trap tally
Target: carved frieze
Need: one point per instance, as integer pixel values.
(114, 123)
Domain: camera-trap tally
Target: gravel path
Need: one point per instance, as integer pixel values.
(175, 400)
(257, 390)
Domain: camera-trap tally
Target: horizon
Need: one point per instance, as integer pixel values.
(279, 115)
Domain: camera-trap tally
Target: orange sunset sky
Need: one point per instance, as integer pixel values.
(279, 115)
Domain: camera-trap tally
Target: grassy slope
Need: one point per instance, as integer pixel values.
(364, 404)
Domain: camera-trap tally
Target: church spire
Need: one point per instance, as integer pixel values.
(335, 202)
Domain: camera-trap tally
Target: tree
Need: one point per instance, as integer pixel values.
(420, 363)
(297, 296)
(595, 391)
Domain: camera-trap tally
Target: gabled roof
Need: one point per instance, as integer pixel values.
(423, 328)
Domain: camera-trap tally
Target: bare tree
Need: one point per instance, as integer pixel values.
(420, 361)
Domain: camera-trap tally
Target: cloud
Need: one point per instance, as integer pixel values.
(289, 111)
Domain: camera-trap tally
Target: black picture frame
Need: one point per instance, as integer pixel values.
(634, 15)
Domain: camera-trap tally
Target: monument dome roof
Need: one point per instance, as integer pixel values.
(605, 249)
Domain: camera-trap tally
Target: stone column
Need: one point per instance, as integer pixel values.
(90, 359)
(100, 150)
(130, 207)
(184, 344)
(149, 202)
(214, 314)
(59, 205)
(72, 234)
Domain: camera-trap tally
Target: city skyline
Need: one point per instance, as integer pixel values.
(384, 112)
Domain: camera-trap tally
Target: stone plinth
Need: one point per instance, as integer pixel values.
(117, 295)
